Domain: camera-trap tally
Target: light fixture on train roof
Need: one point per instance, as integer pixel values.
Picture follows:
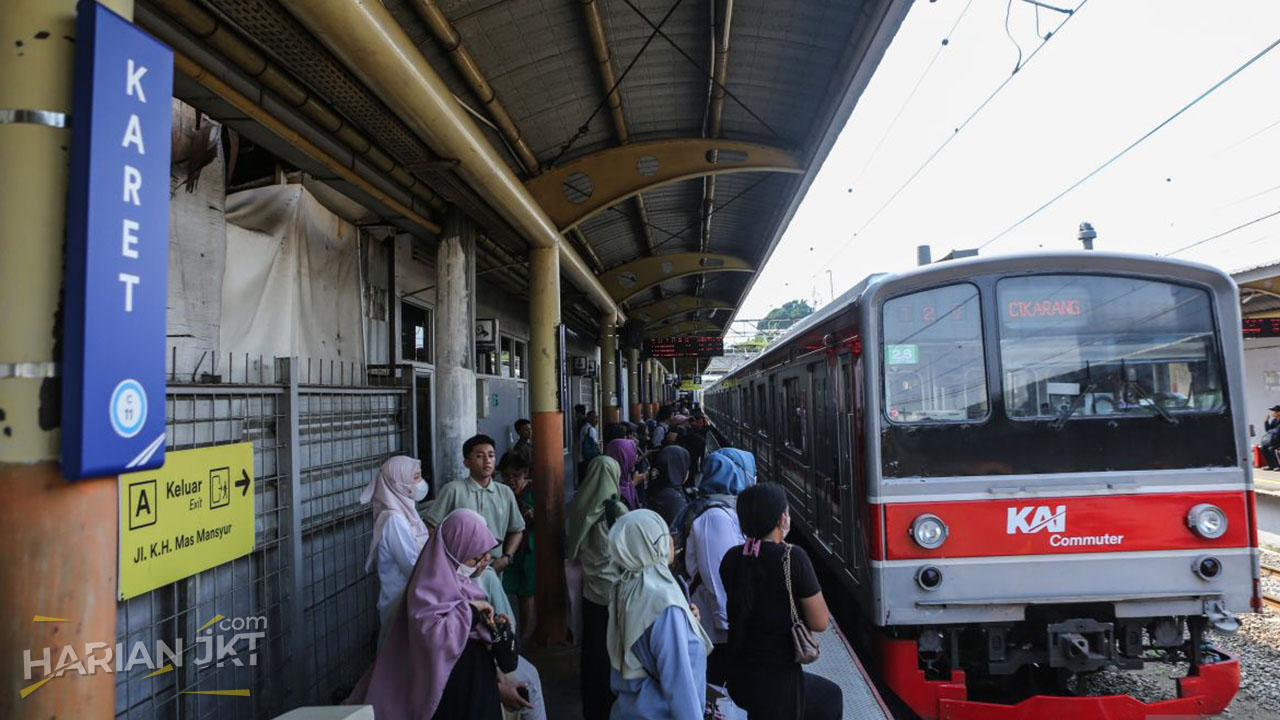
(929, 531)
(1208, 521)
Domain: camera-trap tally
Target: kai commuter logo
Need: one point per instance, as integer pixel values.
(1036, 518)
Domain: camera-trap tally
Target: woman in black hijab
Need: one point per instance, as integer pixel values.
(665, 496)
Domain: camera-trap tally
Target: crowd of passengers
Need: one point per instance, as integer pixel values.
(679, 574)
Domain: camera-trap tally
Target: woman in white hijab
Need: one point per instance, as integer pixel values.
(398, 531)
(657, 648)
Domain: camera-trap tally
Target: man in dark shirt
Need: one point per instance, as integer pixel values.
(524, 442)
(695, 441)
(1270, 444)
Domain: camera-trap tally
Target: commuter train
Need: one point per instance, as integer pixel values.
(1023, 470)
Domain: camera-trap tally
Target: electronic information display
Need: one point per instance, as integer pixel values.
(1261, 327)
(684, 347)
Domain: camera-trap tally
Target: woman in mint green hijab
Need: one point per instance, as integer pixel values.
(657, 648)
(596, 507)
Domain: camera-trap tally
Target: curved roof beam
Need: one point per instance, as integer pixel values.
(631, 279)
(593, 183)
(663, 310)
(685, 328)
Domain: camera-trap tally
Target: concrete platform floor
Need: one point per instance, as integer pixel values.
(558, 667)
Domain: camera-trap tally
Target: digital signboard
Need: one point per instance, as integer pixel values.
(1261, 327)
(684, 347)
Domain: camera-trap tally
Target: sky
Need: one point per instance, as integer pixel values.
(1113, 72)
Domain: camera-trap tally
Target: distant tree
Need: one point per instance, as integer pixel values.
(753, 345)
(781, 318)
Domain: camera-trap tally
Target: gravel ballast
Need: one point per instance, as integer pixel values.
(1258, 645)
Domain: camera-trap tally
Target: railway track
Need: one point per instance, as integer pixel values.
(1269, 599)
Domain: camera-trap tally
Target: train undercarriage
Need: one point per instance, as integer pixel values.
(1040, 668)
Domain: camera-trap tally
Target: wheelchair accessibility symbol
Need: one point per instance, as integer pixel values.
(128, 408)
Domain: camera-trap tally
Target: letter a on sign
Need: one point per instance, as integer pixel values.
(142, 504)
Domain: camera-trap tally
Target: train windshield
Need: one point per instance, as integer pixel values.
(1080, 346)
(933, 356)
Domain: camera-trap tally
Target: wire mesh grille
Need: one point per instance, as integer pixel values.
(344, 434)
(278, 34)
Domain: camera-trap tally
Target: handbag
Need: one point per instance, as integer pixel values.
(806, 647)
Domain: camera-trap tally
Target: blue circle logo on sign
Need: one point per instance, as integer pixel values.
(128, 408)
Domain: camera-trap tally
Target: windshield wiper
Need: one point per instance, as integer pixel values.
(1071, 409)
(1155, 405)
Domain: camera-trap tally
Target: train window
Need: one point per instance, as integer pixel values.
(416, 333)
(795, 407)
(762, 407)
(1075, 346)
(823, 458)
(934, 364)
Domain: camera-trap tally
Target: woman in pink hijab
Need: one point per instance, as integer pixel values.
(436, 661)
(398, 530)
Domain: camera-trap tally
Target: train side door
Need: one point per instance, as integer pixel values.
(847, 451)
(769, 427)
(824, 462)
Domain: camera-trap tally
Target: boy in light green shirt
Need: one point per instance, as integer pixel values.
(494, 501)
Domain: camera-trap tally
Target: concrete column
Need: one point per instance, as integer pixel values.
(634, 377)
(548, 443)
(455, 386)
(650, 386)
(59, 538)
(609, 399)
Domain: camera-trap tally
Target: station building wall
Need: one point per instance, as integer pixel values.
(1262, 381)
(319, 432)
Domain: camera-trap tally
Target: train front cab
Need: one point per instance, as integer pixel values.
(1059, 483)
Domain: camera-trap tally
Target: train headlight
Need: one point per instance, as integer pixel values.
(928, 531)
(1207, 521)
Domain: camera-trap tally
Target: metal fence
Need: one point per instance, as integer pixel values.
(319, 434)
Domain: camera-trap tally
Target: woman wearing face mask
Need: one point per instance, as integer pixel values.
(764, 677)
(440, 655)
(657, 648)
(398, 531)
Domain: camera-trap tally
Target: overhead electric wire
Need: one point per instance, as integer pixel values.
(946, 41)
(586, 125)
(1008, 10)
(1224, 233)
(1244, 140)
(1135, 143)
(910, 179)
(705, 71)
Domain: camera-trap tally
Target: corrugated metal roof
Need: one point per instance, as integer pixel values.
(790, 66)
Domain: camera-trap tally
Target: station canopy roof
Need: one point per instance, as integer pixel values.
(1259, 289)
(721, 113)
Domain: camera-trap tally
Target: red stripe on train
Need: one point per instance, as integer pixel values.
(1047, 526)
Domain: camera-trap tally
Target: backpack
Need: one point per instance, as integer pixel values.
(590, 449)
(682, 528)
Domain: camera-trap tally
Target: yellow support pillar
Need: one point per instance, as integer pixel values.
(609, 368)
(59, 538)
(634, 377)
(548, 443)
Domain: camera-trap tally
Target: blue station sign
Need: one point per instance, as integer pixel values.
(117, 259)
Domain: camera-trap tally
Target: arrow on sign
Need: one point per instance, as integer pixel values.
(243, 483)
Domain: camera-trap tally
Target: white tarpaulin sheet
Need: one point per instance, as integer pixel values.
(292, 280)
